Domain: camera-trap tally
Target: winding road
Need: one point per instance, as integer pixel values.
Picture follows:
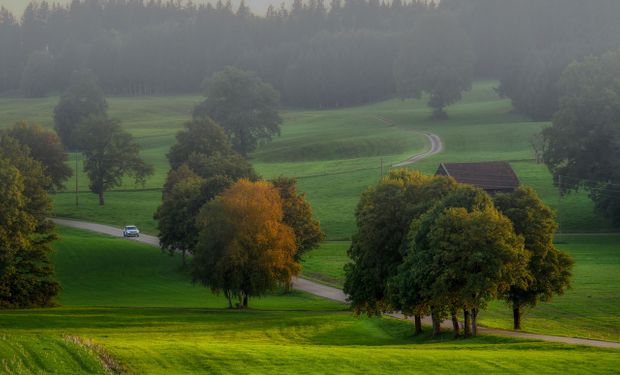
(335, 294)
(436, 146)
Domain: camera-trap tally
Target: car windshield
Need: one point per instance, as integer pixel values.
(131, 228)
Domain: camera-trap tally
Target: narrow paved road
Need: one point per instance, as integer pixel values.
(337, 294)
(436, 146)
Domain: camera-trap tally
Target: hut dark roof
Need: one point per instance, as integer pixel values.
(492, 176)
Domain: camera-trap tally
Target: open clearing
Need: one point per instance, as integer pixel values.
(135, 302)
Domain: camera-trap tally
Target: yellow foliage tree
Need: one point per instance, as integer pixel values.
(244, 248)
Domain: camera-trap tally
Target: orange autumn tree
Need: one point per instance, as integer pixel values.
(244, 248)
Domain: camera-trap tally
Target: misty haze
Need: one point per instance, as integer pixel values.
(309, 186)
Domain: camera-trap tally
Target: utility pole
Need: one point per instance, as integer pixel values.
(559, 202)
(76, 179)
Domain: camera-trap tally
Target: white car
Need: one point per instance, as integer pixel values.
(131, 231)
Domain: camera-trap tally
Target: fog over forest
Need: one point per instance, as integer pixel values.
(315, 54)
(257, 6)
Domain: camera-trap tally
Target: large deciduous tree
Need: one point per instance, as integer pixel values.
(244, 248)
(84, 98)
(436, 58)
(245, 106)
(548, 268)
(200, 136)
(26, 273)
(46, 148)
(203, 165)
(582, 147)
(298, 215)
(383, 217)
(460, 254)
(109, 154)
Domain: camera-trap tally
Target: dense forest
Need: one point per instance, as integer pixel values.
(315, 54)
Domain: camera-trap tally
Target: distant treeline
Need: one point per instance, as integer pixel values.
(315, 54)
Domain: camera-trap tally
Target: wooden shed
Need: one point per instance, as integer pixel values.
(491, 176)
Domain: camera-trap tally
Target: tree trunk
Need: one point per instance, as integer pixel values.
(474, 322)
(516, 314)
(101, 200)
(245, 301)
(455, 324)
(466, 323)
(418, 324)
(436, 324)
(229, 298)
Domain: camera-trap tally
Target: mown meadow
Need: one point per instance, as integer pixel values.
(134, 304)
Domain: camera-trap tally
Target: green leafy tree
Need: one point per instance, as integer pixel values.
(109, 154)
(244, 248)
(436, 58)
(84, 98)
(245, 106)
(176, 215)
(582, 147)
(549, 269)
(383, 217)
(298, 215)
(46, 148)
(201, 136)
(410, 290)
(476, 256)
(460, 255)
(26, 273)
(203, 166)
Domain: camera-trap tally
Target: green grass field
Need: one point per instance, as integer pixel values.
(139, 306)
(335, 153)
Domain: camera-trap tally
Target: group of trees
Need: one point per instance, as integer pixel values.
(429, 246)
(26, 272)
(82, 123)
(582, 147)
(246, 235)
(315, 54)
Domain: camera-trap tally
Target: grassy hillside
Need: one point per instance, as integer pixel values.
(135, 303)
(335, 153)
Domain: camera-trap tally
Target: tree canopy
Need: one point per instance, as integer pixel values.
(110, 153)
(44, 147)
(26, 272)
(582, 147)
(84, 98)
(203, 164)
(298, 215)
(245, 106)
(244, 248)
(383, 217)
(548, 269)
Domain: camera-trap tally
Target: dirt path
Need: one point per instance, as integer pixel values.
(337, 294)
